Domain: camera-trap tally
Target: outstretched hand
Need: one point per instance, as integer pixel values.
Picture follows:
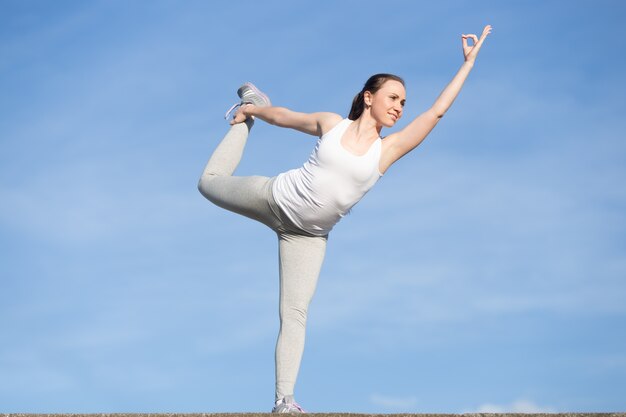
(470, 52)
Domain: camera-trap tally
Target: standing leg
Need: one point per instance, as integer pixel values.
(300, 258)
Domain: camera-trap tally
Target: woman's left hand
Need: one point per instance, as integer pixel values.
(470, 52)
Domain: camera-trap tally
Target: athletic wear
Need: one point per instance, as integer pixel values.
(287, 405)
(318, 194)
(249, 94)
(300, 254)
(328, 185)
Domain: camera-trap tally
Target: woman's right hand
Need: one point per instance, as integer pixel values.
(241, 114)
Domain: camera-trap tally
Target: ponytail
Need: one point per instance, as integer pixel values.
(357, 106)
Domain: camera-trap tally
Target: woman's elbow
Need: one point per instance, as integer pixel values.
(279, 118)
(437, 112)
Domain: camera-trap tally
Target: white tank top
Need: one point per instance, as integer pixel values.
(318, 194)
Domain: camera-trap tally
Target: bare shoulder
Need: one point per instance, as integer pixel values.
(315, 124)
(326, 121)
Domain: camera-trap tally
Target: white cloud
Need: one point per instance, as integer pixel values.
(394, 403)
(517, 406)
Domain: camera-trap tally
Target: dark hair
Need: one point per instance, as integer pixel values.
(373, 84)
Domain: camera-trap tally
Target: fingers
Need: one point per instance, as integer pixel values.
(470, 52)
(237, 118)
(486, 31)
(239, 115)
(470, 36)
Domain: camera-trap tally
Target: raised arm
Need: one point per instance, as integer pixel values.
(402, 142)
(315, 124)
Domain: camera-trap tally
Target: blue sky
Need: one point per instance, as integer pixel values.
(485, 272)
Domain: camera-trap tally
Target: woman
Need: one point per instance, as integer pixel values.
(303, 205)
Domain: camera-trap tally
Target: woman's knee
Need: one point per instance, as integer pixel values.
(293, 315)
(204, 184)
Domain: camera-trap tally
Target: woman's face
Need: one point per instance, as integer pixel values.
(387, 103)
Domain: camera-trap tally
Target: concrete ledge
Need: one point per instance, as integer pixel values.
(620, 414)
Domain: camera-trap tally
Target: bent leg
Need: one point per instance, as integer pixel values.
(248, 196)
(228, 153)
(300, 260)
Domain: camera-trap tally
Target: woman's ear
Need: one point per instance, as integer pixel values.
(367, 98)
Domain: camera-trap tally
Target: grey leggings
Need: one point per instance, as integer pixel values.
(300, 254)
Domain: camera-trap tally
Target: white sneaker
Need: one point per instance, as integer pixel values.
(287, 405)
(249, 94)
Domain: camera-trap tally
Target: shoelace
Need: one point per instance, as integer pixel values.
(234, 106)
